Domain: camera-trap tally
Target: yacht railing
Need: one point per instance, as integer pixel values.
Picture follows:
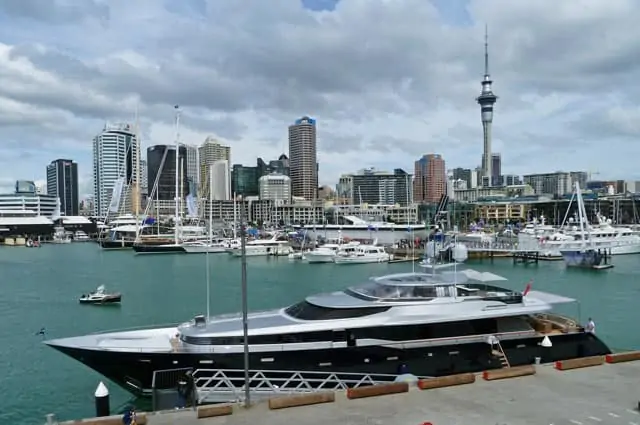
(137, 328)
(227, 385)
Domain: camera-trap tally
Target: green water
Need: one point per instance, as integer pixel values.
(40, 289)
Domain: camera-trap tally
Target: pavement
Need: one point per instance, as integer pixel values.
(600, 395)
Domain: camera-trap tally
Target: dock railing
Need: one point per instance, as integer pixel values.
(227, 385)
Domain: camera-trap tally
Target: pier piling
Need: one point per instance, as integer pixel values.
(51, 419)
(102, 400)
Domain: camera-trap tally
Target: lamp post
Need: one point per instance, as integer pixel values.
(245, 308)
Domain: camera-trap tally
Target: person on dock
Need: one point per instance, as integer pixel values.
(129, 416)
(591, 326)
(185, 390)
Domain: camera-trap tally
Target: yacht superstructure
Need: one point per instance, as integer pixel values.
(328, 252)
(363, 254)
(434, 324)
(263, 247)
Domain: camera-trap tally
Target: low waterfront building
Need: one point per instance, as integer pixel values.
(26, 198)
(396, 213)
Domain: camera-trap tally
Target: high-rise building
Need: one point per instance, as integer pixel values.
(208, 153)
(486, 100)
(280, 166)
(466, 175)
(161, 168)
(115, 155)
(371, 186)
(496, 168)
(276, 187)
(303, 163)
(62, 181)
(144, 178)
(244, 180)
(220, 181)
(430, 180)
(555, 184)
(193, 168)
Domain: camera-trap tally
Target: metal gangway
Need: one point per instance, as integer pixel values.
(228, 385)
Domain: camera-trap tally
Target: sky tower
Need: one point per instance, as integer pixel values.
(486, 101)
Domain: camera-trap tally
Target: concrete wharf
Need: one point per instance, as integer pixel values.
(593, 393)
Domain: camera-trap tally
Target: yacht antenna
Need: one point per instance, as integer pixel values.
(245, 308)
(210, 242)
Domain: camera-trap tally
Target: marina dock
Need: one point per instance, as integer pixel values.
(595, 392)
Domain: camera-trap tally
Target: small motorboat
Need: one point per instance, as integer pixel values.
(99, 296)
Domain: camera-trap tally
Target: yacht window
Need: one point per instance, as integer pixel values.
(377, 291)
(307, 311)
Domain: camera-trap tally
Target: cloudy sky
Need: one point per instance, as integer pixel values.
(387, 80)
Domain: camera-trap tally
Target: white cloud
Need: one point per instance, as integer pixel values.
(387, 80)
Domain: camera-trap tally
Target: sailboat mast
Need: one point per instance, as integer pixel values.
(136, 191)
(235, 219)
(177, 211)
(582, 216)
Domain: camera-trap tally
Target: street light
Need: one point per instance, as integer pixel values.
(245, 308)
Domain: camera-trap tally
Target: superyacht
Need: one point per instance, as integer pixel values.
(429, 324)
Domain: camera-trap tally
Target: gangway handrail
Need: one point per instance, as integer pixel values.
(230, 383)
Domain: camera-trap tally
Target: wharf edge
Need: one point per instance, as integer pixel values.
(600, 389)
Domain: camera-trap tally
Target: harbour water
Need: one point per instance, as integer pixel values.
(40, 288)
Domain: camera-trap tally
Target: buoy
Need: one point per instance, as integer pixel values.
(102, 400)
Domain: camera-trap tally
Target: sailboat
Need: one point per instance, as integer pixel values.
(586, 255)
(176, 246)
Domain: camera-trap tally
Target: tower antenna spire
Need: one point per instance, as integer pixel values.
(486, 51)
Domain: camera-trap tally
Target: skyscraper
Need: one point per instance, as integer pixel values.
(496, 168)
(193, 168)
(115, 154)
(208, 153)
(430, 180)
(161, 166)
(486, 100)
(220, 181)
(62, 181)
(303, 160)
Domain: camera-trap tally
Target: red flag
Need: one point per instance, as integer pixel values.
(527, 289)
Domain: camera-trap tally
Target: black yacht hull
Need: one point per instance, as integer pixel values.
(158, 249)
(134, 370)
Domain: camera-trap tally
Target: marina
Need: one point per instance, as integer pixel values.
(272, 282)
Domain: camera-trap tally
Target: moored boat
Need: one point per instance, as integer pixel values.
(100, 296)
(429, 324)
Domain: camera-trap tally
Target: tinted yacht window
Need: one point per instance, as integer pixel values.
(308, 311)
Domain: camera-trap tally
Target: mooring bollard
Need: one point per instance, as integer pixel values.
(51, 419)
(102, 400)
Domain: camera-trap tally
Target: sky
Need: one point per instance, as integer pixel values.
(387, 80)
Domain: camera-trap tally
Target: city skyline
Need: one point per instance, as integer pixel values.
(551, 84)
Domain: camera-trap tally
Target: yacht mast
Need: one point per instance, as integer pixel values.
(177, 210)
